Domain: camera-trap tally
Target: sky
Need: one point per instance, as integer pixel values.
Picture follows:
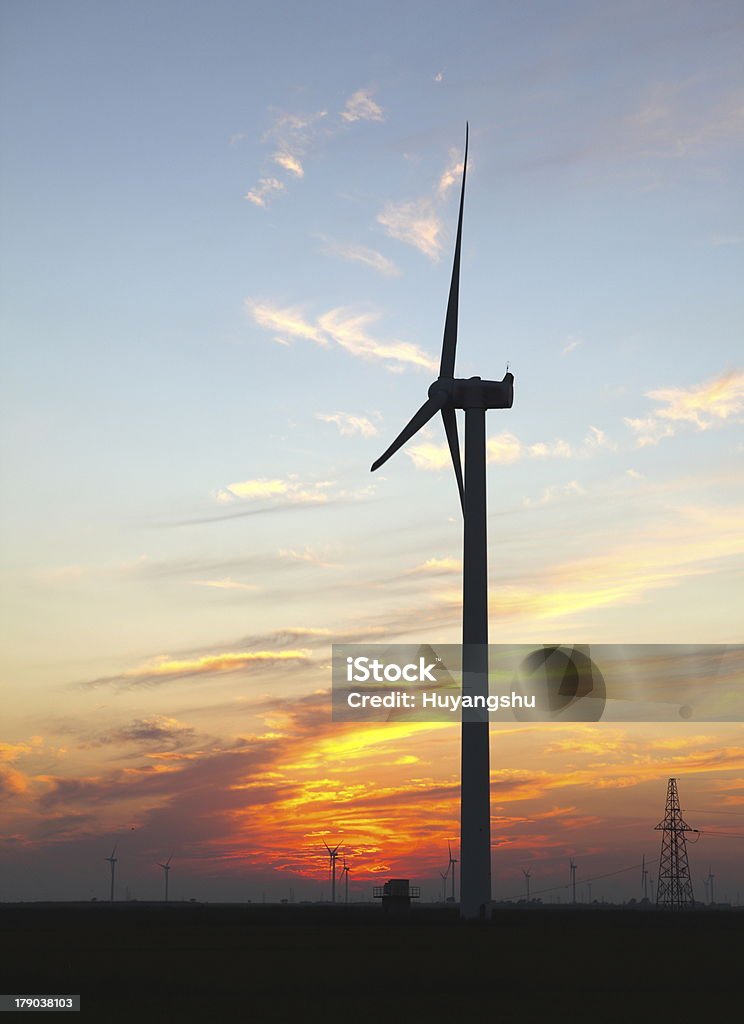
(228, 232)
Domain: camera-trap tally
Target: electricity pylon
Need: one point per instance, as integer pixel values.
(674, 888)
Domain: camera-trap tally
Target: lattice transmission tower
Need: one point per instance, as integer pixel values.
(674, 888)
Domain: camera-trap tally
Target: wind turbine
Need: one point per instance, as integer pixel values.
(709, 883)
(527, 877)
(452, 862)
(345, 873)
(573, 881)
(166, 869)
(475, 396)
(444, 875)
(332, 853)
(112, 861)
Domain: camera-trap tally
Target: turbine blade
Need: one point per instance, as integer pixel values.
(449, 418)
(417, 421)
(449, 342)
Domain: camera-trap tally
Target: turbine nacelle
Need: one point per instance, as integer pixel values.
(473, 392)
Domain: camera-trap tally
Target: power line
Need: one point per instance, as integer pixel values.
(711, 810)
(594, 878)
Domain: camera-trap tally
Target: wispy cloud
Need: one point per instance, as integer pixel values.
(361, 107)
(438, 566)
(416, 223)
(506, 448)
(571, 345)
(293, 136)
(347, 327)
(362, 254)
(451, 174)
(555, 492)
(349, 424)
(290, 489)
(260, 193)
(290, 163)
(707, 405)
(285, 321)
(225, 584)
(164, 669)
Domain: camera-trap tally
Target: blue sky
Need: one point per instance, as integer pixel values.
(227, 245)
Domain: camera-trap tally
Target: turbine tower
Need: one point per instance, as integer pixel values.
(674, 887)
(345, 873)
(112, 861)
(166, 869)
(527, 877)
(332, 854)
(444, 875)
(452, 863)
(573, 881)
(475, 396)
(709, 884)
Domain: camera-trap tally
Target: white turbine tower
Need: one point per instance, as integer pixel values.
(332, 854)
(112, 861)
(166, 869)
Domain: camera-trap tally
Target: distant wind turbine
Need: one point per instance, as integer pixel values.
(444, 876)
(527, 877)
(452, 863)
(345, 872)
(475, 396)
(332, 854)
(166, 869)
(112, 861)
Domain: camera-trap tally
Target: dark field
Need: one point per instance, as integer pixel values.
(150, 962)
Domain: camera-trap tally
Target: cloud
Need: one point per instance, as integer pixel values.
(416, 223)
(451, 175)
(286, 321)
(571, 345)
(225, 584)
(556, 492)
(307, 556)
(364, 255)
(349, 424)
(261, 192)
(163, 669)
(349, 328)
(716, 399)
(361, 107)
(158, 729)
(437, 566)
(290, 489)
(290, 163)
(707, 405)
(438, 77)
(505, 448)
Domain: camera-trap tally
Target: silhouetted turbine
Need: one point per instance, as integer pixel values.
(446, 394)
(166, 869)
(112, 861)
